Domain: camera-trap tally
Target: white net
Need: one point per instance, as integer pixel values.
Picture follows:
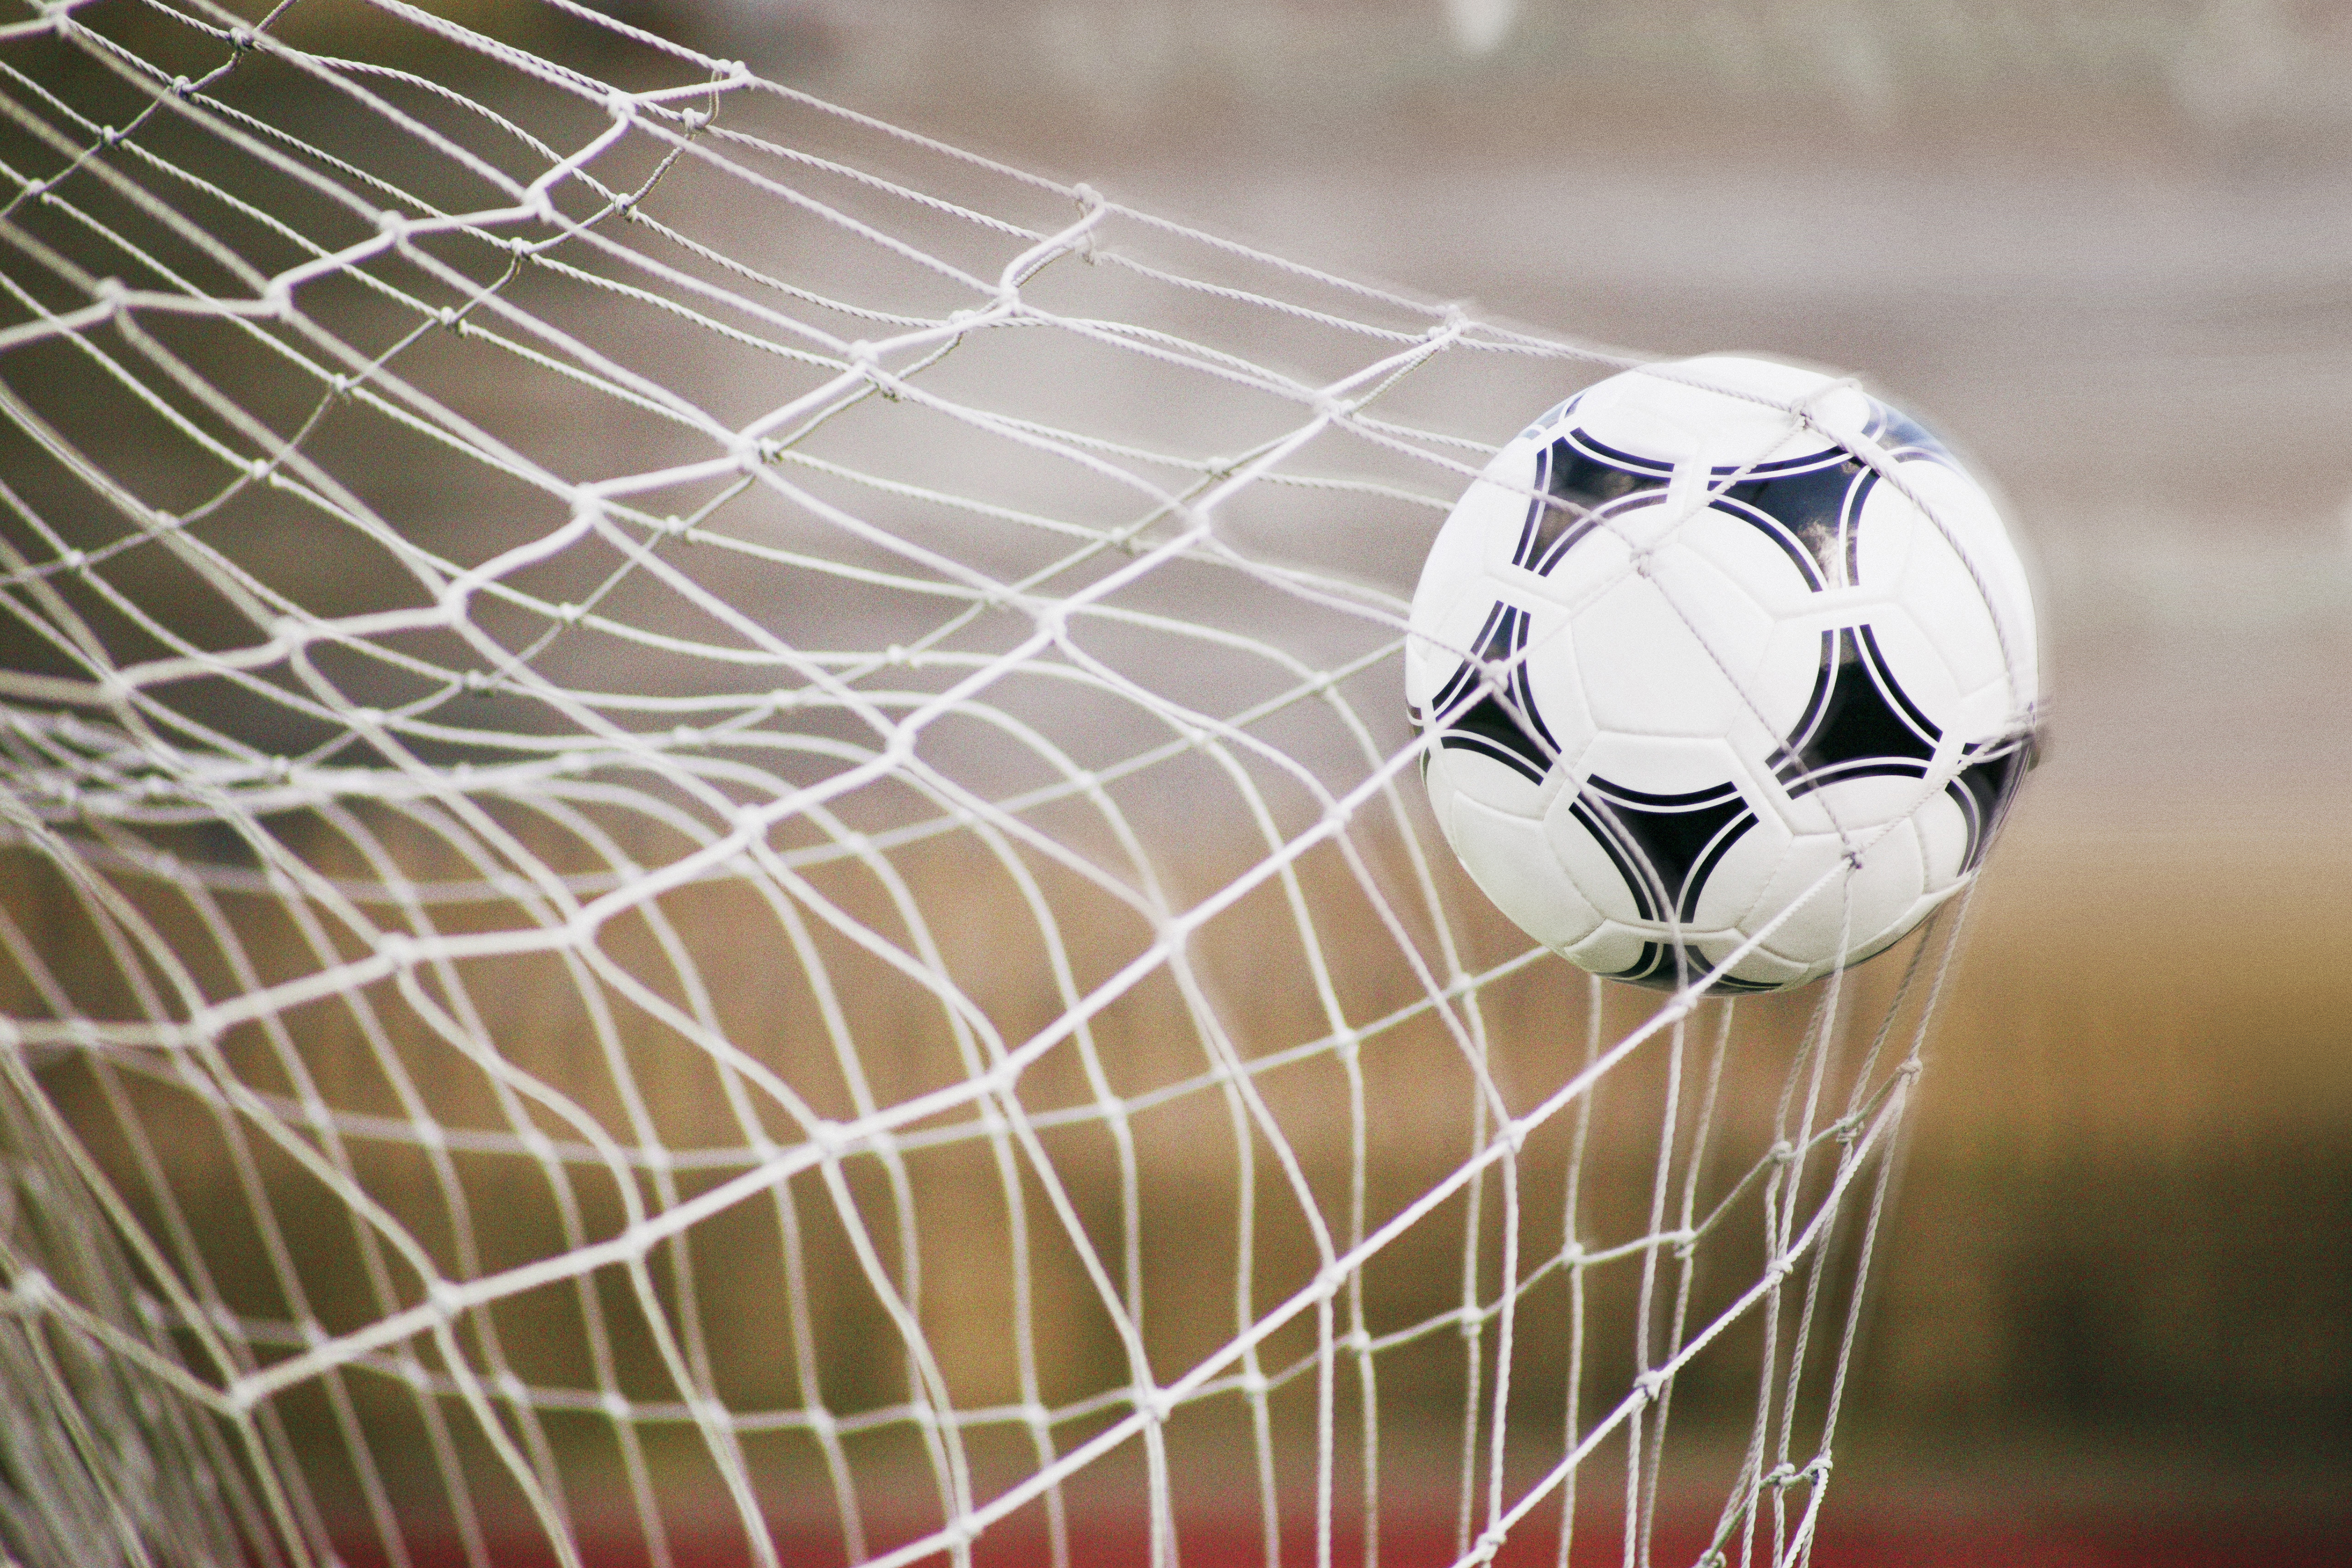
(710, 856)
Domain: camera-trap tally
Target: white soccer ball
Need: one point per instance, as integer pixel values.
(1722, 659)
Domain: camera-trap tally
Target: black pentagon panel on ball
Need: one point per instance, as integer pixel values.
(1859, 723)
(1472, 717)
(1670, 966)
(1986, 784)
(1571, 484)
(1664, 844)
(1602, 452)
(1813, 505)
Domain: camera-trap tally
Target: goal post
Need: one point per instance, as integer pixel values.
(712, 854)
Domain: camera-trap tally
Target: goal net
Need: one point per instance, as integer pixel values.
(710, 854)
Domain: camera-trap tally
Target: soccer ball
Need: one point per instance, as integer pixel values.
(1722, 661)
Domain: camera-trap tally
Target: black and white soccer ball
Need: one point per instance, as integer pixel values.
(1722, 658)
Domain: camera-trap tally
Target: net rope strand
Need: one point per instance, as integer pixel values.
(799, 928)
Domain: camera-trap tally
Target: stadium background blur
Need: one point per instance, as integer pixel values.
(2103, 248)
(2108, 250)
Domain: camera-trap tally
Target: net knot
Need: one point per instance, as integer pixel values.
(1650, 1384)
(33, 1292)
(1802, 408)
(1785, 1475)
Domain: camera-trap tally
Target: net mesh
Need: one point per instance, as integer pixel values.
(710, 854)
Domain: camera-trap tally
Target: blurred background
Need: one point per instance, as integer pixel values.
(2103, 246)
